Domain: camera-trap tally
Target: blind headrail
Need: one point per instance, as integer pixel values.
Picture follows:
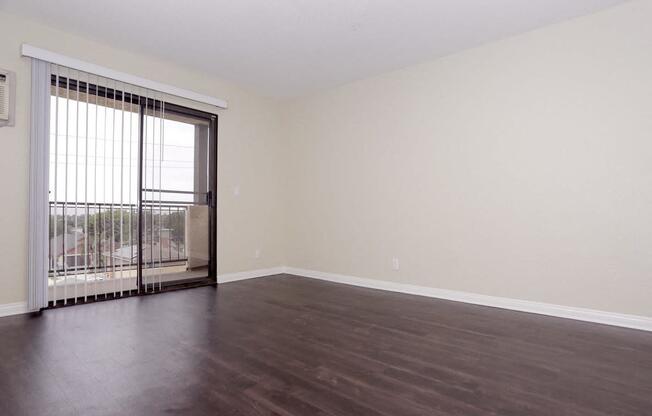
(56, 58)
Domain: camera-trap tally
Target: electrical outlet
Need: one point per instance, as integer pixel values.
(257, 253)
(395, 263)
(236, 190)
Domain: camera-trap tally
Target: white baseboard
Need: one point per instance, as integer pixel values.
(580, 314)
(21, 307)
(250, 274)
(13, 308)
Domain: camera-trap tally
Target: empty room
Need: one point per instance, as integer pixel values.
(334, 208)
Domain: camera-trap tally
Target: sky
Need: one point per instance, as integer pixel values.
(99, 147)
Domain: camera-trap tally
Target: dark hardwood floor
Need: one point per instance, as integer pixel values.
(286, 345)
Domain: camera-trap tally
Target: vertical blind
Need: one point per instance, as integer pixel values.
(96, 126)
(38, 222)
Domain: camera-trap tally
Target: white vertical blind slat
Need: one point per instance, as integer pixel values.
(122, 154)
(65, 202)
(103, 207)
(112, 231)
(160, 194)
(96, 253)
(132, 185)
(39, 211)
(155, 233)
(144, 174)
(54, 246)
(86, 206)
(76, 202)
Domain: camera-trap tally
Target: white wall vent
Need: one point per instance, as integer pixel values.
(7, 93)
(4, 97)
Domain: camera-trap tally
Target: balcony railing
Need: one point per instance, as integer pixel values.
(99, 237)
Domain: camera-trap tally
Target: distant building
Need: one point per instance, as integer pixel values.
(169, 249)
(67, 249)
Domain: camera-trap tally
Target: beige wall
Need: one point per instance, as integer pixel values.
(521, 169)
(249, 154)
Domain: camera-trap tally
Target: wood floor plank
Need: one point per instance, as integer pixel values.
(289, 346)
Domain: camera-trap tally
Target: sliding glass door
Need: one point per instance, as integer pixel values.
(178, 196)
(132, 191)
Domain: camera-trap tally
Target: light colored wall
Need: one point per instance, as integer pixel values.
(517, 169)
(249, 154)
(521, 169)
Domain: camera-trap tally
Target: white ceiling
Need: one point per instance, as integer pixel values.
(287, 48)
